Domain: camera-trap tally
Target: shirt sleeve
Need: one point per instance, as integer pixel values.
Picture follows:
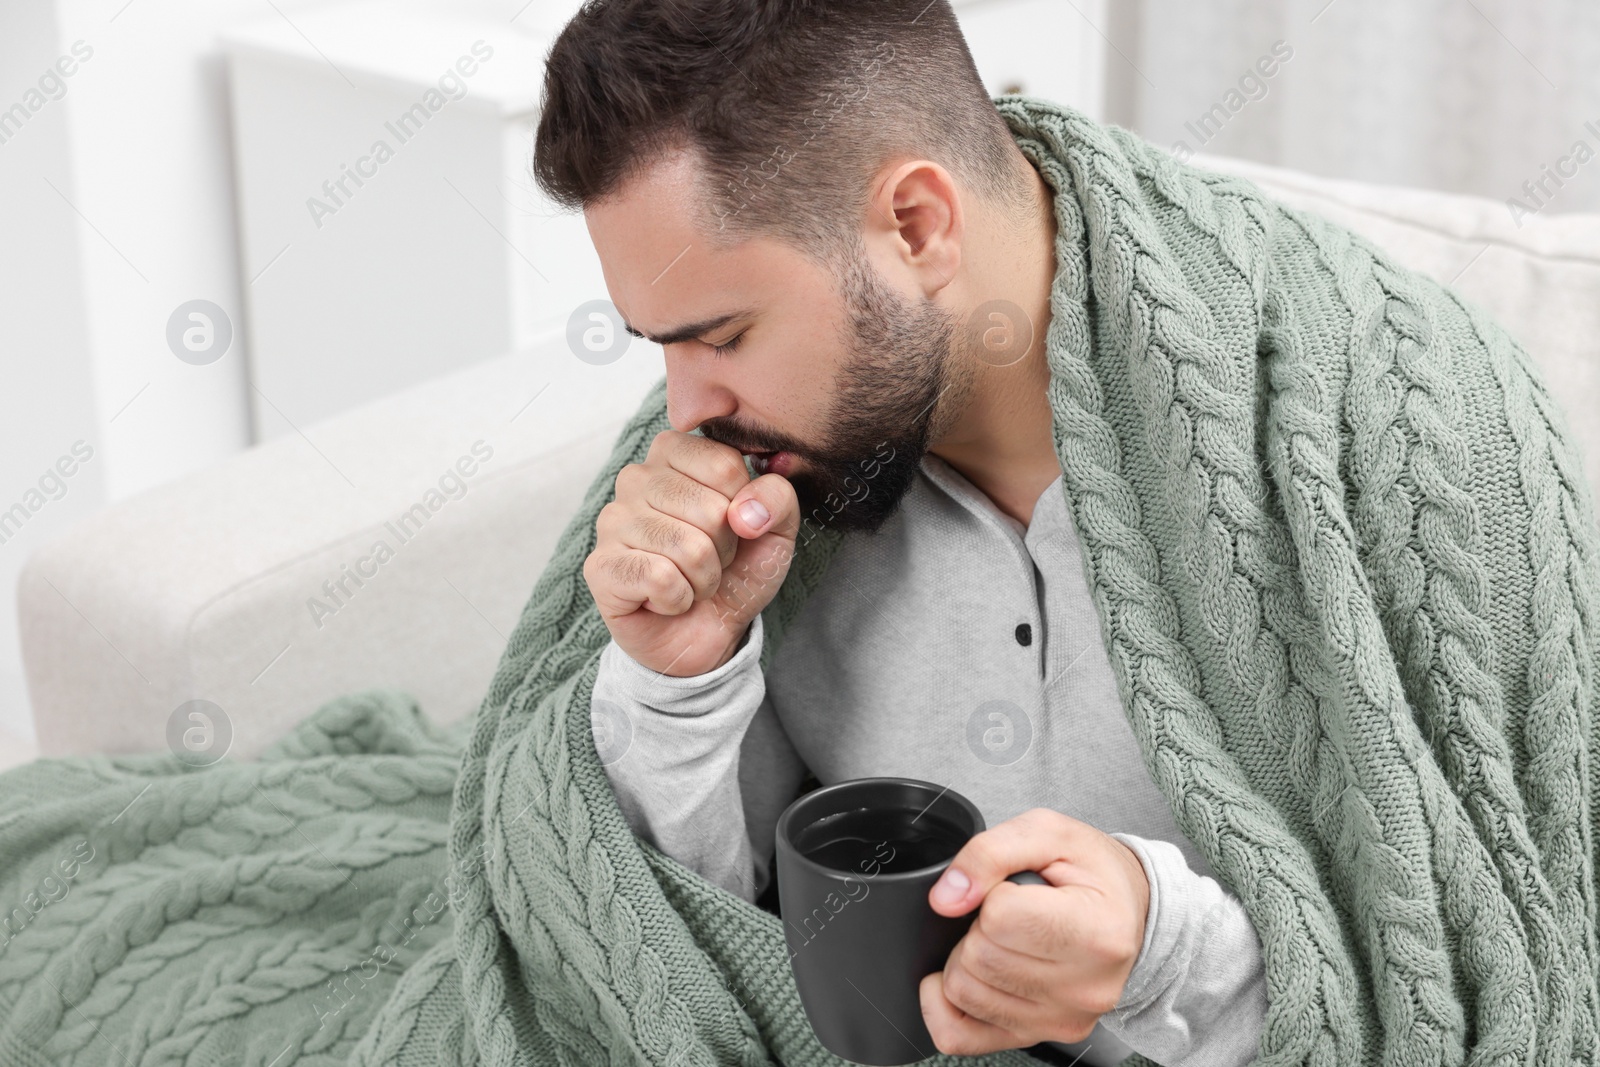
(673, 749)
(1197, 996)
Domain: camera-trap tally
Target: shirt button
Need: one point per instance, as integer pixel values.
(1024, 634)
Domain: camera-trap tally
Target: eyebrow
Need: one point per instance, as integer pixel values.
(690, 331)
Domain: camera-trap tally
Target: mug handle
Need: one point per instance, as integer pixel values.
(1027, 878)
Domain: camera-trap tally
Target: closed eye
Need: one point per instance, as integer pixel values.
(727, 346)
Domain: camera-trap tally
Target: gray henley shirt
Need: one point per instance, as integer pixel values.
(957, 646)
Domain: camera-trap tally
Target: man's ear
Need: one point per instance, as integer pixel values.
(916, 220)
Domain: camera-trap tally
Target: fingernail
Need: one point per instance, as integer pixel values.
(754, 513)
(951, 887)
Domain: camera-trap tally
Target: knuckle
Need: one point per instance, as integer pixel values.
(659, 531)
(692, 495)
(662, 574)
(1017, 919)
(728, 470)
(612, 572)
(710, 509)
(984, 958)
(630, 569)
(668, 488)
(606, 521)
(704, 557)
(961, 989)
(1036, 927)
(974, 998)
(666, 584)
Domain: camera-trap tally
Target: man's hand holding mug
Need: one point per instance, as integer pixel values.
(1039, 963)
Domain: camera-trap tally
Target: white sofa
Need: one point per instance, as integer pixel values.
(205, 588)
(212, 587)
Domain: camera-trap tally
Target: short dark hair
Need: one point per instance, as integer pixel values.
(805, 98)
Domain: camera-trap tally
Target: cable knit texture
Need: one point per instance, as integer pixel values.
(1346, 569)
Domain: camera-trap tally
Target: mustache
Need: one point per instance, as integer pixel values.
(744, 442)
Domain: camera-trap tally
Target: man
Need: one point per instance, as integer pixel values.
(846, 374)
(911, 415)
(1312, 782)
(854, 272)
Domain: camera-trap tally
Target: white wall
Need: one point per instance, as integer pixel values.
(47, 397)
(1487, 97)
(139, 146)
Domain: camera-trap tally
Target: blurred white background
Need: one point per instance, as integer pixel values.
(183, 159)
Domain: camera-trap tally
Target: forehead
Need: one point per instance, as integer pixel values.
(658, 256)
(654, 212)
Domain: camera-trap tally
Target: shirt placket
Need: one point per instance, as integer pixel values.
(1025, 618)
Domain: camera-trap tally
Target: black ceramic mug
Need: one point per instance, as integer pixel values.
(856, 861)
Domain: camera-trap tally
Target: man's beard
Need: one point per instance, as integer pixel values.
(889, 407)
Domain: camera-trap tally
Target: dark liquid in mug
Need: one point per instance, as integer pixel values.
(882, 840)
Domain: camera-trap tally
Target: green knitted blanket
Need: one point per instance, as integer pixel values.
(1347, 571)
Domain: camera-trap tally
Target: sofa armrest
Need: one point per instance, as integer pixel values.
(392, 546)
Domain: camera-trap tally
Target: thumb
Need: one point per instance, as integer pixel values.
(766, 516)
(767, 505)
(1037, 840)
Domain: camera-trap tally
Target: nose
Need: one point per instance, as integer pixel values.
(693, 394)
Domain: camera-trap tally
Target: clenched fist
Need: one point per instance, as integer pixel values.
(689, 552)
